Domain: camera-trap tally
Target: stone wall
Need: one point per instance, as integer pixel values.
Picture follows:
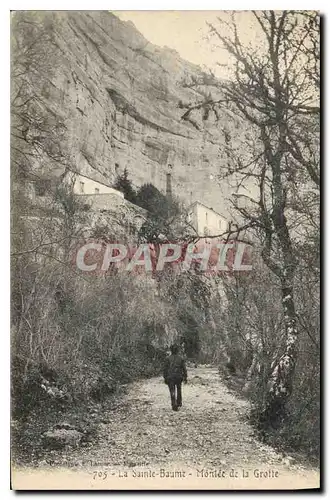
(117, 216)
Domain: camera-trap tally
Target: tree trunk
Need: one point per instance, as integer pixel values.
(281, 379)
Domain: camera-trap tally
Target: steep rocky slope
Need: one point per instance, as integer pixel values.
(120, 97)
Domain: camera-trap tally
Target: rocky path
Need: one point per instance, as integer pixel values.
(207, 444)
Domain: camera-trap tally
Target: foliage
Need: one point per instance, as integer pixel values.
(165, 216)
(157, 204)
(124, 184)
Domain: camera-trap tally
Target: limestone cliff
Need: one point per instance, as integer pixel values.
(120, 98)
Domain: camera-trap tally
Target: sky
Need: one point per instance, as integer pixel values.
(188, 33)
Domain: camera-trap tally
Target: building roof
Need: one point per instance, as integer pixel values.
(95, 178)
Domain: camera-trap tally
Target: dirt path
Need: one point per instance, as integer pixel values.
(210, 433)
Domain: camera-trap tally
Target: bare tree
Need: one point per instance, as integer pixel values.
(275, 92)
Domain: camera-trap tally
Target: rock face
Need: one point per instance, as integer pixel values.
(121, 98)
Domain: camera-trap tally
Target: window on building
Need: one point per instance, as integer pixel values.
(97, 191)
(82, 187)
(206, 231)
(220, 224)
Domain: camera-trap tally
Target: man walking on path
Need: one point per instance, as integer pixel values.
(174, 373)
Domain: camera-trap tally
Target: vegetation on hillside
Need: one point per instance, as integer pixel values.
(274, 93)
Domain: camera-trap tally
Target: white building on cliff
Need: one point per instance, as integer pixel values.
(205, 220)
(85, 185)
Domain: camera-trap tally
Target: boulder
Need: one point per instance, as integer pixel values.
(64, 425)
(61, 438)
(288, 460)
